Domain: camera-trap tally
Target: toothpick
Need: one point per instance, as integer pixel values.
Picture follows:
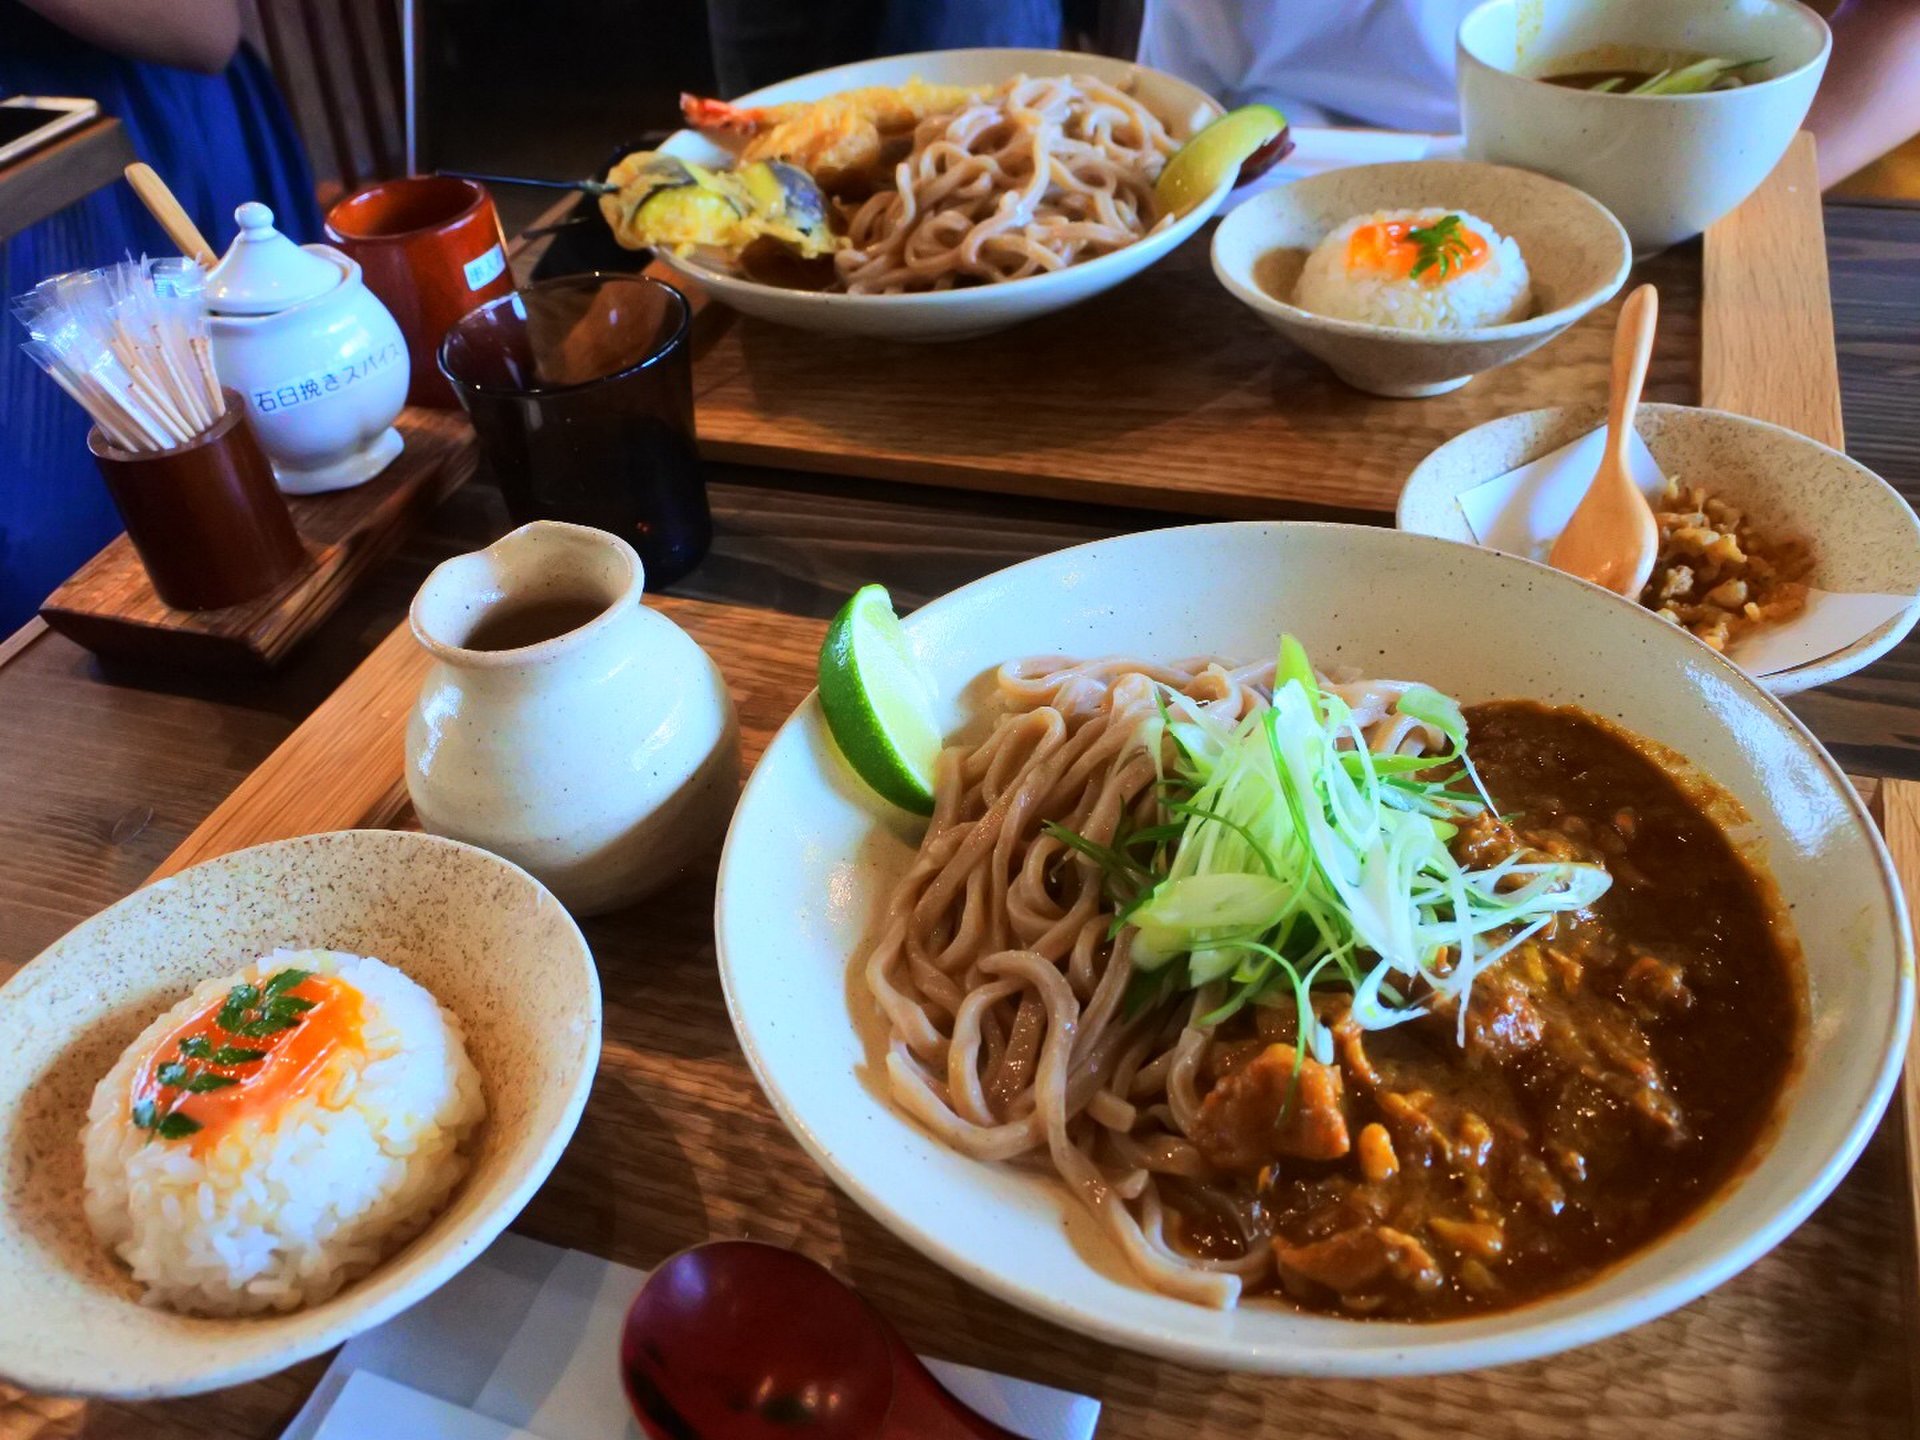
(132, 418)
(186, 395)
(109, 426)
(142, 383)
(170, 420)
(203, 353)
(130, 348)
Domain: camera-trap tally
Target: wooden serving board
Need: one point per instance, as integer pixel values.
(677, 1145)
(1166, 392)
(108, 605)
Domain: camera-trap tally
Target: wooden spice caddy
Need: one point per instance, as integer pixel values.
(108, 604)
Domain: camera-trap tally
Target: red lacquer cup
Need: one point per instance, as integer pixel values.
(205, 517)
(431, 249)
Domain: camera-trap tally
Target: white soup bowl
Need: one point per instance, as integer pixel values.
(1667, 165)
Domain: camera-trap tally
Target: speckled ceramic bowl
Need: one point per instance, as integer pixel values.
(1575, 251)
(491, 944)
(1864, 536)
(1668, 165)
(812, 855)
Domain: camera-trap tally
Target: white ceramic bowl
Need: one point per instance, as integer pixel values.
(490, 943)
(1865, 537)
(976, 310)
(1670, 165)
(812, 853)
(1575, 251)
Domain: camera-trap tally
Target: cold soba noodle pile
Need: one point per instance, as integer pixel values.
(1031, 178)
(1290, 1005)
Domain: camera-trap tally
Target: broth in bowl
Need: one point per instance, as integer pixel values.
(1619, 70)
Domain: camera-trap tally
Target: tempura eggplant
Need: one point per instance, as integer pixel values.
(674, 204)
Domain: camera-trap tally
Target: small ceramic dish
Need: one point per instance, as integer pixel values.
(1865, 538)
(1575, 251)
(490, 943)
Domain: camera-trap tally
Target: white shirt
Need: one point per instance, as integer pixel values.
(1385, 63)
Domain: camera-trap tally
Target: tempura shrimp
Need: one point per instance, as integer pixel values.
(835, 138)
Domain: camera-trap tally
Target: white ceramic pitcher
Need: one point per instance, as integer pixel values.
(566, 726)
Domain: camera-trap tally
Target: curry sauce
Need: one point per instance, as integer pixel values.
(1609, 1077)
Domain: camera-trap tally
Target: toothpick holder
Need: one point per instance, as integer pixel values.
(209, 524)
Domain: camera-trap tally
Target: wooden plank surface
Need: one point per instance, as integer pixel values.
(678, 1145)
(344, 767)
(1165, 393)
(1897, 807)
(108, 605)
(1767, 349)
(1168, 393)
(54, 176)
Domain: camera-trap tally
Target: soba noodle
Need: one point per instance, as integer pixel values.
(1043, 173)
(1001, 987)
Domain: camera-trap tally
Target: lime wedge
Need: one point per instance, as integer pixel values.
(878, 701)
(1199, 166)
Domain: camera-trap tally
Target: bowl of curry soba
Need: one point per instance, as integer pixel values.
(1319, 950)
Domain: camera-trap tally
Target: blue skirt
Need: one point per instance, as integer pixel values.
(218, 141)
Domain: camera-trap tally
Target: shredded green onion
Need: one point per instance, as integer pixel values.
(1296, 858)
(1694, 79)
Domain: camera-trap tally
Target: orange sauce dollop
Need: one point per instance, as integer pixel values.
(293, 1058)
(1385, 248)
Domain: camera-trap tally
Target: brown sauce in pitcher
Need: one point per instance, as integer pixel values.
(513, 626)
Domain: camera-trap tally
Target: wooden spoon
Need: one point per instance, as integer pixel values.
(171, 214)
(1612, 539)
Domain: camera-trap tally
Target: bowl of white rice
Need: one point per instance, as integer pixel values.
(273, 1100)
(1409, 279)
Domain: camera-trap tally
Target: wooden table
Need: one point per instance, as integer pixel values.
(54, 176)
(102, 773)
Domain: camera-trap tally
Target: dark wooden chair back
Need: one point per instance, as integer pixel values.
(340, 64)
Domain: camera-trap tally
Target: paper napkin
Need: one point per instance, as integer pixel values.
(1522, 511)
(369, 1407)
(448, 1345)
(521, 1345)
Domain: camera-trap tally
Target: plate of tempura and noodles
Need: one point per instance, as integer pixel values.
(919, 197)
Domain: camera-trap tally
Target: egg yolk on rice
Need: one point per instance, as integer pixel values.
(261, 1072)
(1390, 248)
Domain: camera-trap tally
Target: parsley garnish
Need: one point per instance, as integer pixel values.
(1443, 246)
(254, 1012)
(250, 1012)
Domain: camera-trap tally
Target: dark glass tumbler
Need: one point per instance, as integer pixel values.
(581, 391)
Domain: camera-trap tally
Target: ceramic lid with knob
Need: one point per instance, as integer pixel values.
(263, 271)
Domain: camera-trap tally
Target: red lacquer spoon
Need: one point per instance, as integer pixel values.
(736, 1340)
